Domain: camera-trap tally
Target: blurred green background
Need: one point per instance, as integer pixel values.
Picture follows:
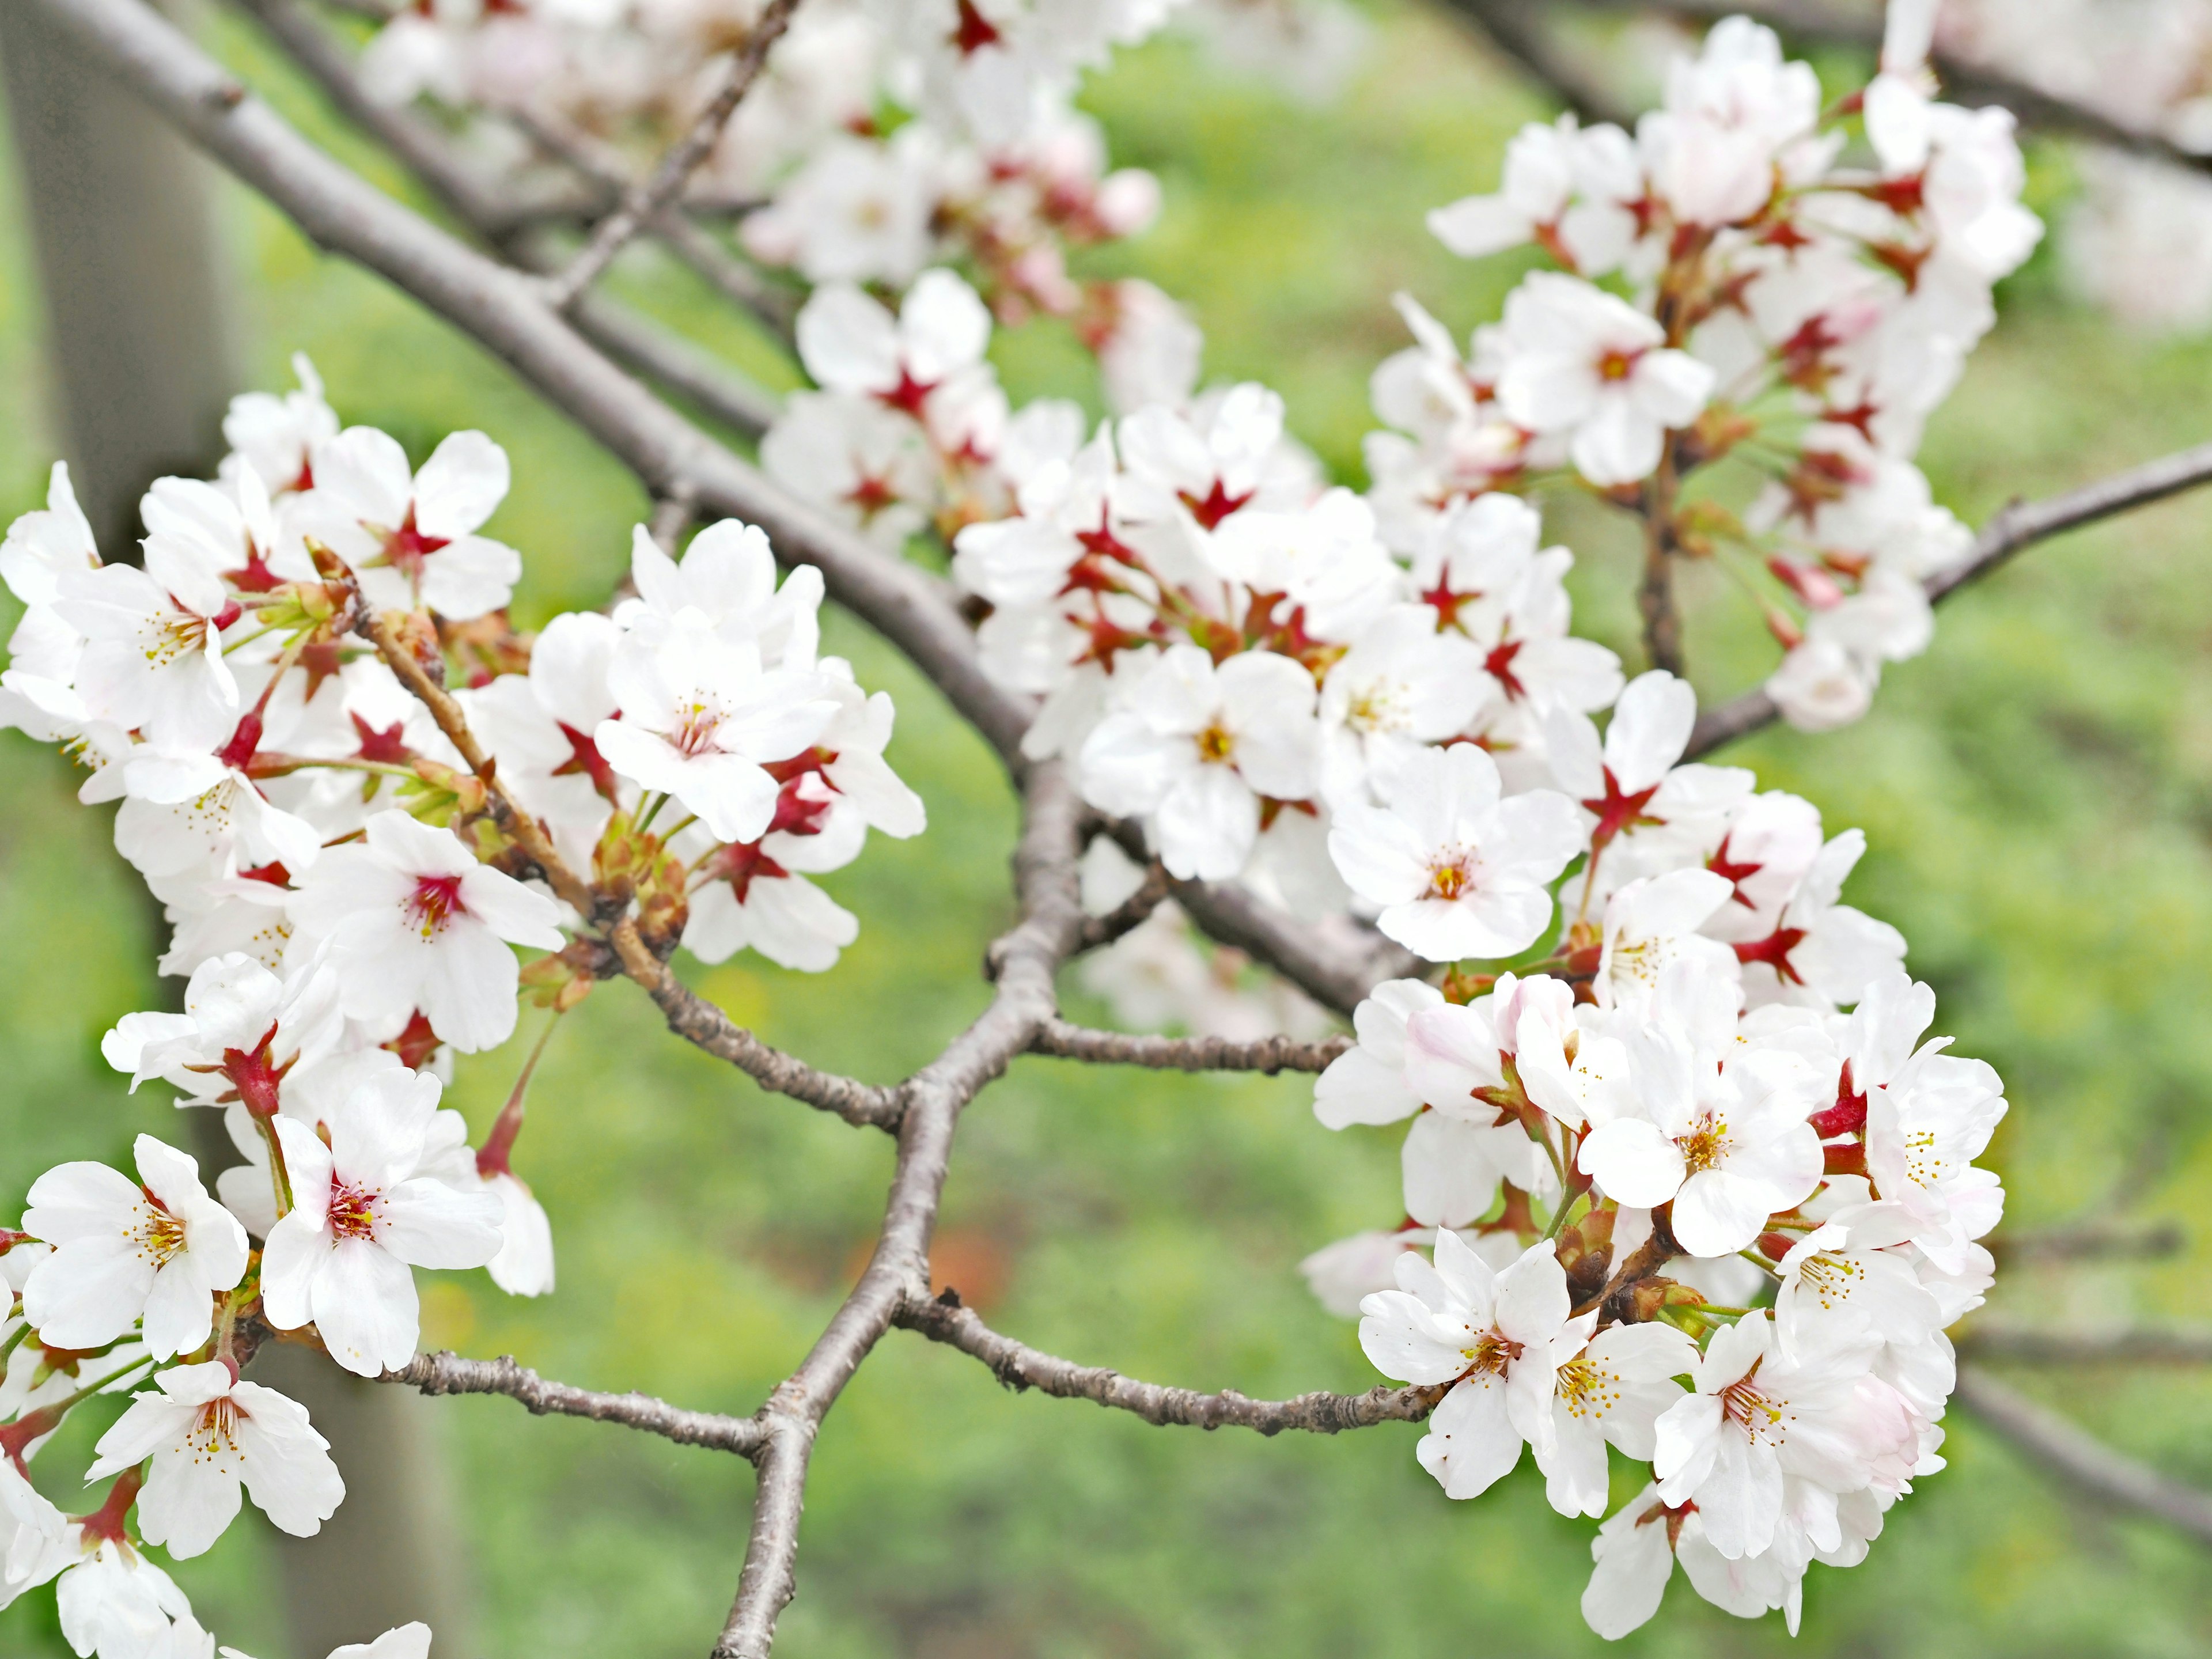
(2036, 790)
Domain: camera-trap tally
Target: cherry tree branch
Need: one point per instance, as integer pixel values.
(505, 311)
(2079, 1458)
(2021, 525)
(449, 1373)
(1208, 1054)
(1027, 958)
(1131, 913)
(621, 333)
(705, 1026)
(2093, 1241)
(2023, 1344)
(1018, 1366)
(643, 202)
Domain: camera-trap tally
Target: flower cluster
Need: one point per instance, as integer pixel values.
(348, 852)
(1759, 1222)
(1797, 307)
(883, 139)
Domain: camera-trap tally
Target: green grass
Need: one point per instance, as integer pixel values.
(2037, 792)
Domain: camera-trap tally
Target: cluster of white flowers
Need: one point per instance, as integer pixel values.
(345, 903)
(1797, 305)
(883, 138)
(1681, 1204)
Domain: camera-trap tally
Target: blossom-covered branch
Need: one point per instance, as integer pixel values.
(2012, 528)
(1018, 1366)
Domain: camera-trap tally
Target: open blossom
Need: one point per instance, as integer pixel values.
(414, 921)
(702, 720)
(1724, 1139)
(1198, 748)
(114, 1602)
(1758, 1415)
(153, 655)
(1581, 362)
(1608, 1388)
(411, 536)
(1488, 1333)
(1458, 871)
(208, 1434)
(243, 1027)
(158, 1248)
(362, 1216)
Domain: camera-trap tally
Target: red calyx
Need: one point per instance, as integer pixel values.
(741, 863)
(870, 496)
(387, 745)
(1444, 602)
(322, 662)
(1848, 1115)
(407, 547)
(1217, 505)
(584, 758)
(237, 753)
(795, 815)
(1775, 1246)
(105, 1523)
(417, 1043)
(1721, 865)
(1617, 811)
(1844, 1157)
(974, 31)
(1774, 951)
(1499, 664)
(275, 874)
(908, 396)
(254, 576)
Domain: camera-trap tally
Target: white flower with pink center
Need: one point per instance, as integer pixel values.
(413, 921)
(362, 1216)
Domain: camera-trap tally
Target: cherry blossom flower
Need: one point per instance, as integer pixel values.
(412, 920)
(1400, 686)
(1726, 1143)
(1581, 362)
(1758, 1415)
(1821, 952)
(1458, 871)
(411, 536)
(243, 1028)
(1610, 1387)
(1198, 748)
(277, 435)
(1652, 922)
(208, 1433)
(1489, 1334)
(702, 720)
(153, 655)
(114, 1602)
(158, 1248)
(362, 1215)
(1367, 1083)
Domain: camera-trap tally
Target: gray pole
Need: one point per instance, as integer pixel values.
(139, 350)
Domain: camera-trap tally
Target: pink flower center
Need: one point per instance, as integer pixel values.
(214, 1435)
(696, 724)
(435, 900)
(1451, 878)
(353, 1212)
(1617, 365)
(1705, 1145)
(1492, 1352)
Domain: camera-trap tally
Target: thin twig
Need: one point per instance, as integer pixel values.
(449, 1373)
(1131, 913)
(1207, 1053)
(642, 345)
(643, 202)
(2080, 1458)
(2020, 526)
(700, 1024)
(1020, 1366)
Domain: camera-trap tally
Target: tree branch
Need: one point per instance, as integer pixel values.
(2020, 526)
(1210, 1053)
(1027, 959)
(1337, 964)
(1020, 1366)
(2091, 1241)
(1131, 913)
(621, 333)
(2079, 1458)
(505, 310)
(705, 1026)
(641, 204)
(448, 1373)
(2024, 1344)
(1517, 29)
